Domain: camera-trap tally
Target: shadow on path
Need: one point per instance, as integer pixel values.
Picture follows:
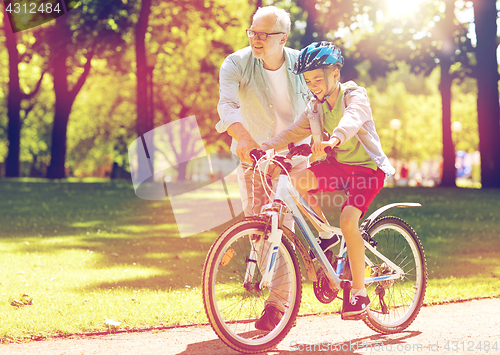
(395, 343)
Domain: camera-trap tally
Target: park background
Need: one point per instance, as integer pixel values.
(79, 248)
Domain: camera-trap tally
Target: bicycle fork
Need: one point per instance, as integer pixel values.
(274, 240)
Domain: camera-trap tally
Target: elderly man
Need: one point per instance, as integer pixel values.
(259, 98)
(259, 95)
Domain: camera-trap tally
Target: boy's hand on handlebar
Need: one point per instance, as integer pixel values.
(320, 148)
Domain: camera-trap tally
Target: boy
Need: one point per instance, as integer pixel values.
(357, 163)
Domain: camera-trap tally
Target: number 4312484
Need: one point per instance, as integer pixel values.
(33, 8)
(471, 346)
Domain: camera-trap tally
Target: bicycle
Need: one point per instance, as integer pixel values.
(240, 266)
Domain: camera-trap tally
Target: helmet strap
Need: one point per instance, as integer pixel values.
(327, 95)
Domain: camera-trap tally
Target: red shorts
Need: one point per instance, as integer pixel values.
(360, 183)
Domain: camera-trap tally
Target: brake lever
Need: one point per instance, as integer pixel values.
(291, 148)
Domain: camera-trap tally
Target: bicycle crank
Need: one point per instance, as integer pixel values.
(322, 288)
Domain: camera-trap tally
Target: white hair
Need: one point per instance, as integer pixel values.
(283, 22)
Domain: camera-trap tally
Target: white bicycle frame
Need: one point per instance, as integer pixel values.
(288, 194)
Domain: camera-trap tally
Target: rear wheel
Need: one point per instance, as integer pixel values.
(395, 303)
(232, 306)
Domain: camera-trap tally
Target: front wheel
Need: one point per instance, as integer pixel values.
(395, 303)
(233, 305)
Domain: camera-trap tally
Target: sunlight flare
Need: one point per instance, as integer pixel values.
(403, 7)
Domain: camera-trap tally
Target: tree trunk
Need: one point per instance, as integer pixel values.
(13, 104)
(182, 171)
(144, 121)
(62, 110)
(257, 3)
(311, 26)
(64, 99)
(449, 170)
(488, 109)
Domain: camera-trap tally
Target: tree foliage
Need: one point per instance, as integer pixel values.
(20, 96)
(415, 101)
(99, 134)
(189, 40)
(390, 54)
(430, 37)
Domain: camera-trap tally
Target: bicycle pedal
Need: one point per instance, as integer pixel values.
(360, 316)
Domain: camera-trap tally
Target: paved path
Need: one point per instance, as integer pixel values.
(460, 328)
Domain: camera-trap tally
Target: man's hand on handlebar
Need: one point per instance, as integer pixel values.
(245, 146)
(256, 154)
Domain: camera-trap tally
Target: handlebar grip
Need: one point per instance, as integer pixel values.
(306, 149)
(256, 154)
(328, 150)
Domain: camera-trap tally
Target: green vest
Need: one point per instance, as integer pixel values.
(351, 152)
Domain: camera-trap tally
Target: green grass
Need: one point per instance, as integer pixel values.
(87, 252)
(459, 232)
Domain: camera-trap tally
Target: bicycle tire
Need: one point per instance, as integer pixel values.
(403, 297)
(230, 308)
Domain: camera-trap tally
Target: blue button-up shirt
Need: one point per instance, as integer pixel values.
(245, 95)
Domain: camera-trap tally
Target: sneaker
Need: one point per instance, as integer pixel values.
(356, 306)
(325, 244)
(269, 319)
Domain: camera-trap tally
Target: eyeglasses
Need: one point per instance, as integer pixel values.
(261, 35)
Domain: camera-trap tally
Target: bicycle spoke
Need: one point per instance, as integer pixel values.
(233, 306)
(403, 296)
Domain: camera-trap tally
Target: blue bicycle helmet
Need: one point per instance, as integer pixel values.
(318, 55)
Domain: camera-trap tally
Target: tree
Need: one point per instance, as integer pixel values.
(65, 97)
(415, 101)
(445, 55)
(15, 96)
(488, 109)
(13, 104)
(256, 4)
(325, 18)
(190, 39)
(447, 46)
(103, 121)
(396, 96)
(431, 38)
(144, 117)
(92, 29)
(312, 26)
(189, 42)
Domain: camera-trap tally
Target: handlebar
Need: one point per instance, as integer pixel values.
(293, 150)
(302, 150)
